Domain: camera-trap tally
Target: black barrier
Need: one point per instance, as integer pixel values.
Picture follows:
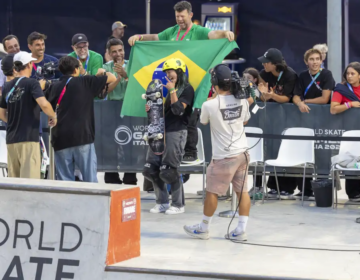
(120, 147)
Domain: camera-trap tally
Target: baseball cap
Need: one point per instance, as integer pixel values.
(118, 24)
(222, 72)
(271, 55)
(79, 38)
(7, 63)
(23, 57)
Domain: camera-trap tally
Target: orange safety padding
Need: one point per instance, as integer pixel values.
(124, 237)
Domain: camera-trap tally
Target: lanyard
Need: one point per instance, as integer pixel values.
(350, 87)
(278, 79)
(87, 61)
(62, 94)
(183, 36)
(12, 90)
(34, 66)
(313, 80)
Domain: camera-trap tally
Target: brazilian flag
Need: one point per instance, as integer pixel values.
(147, 59)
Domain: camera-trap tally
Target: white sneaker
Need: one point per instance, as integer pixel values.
(159, 208)
(197, 232)
(233, 235)
(175, 210)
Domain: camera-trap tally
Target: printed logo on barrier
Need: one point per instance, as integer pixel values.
(123, 135)
(159, 74)
(127, 136)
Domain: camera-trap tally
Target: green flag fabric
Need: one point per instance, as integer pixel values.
(147, 58)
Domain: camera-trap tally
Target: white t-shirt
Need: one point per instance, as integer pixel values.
(226, 115)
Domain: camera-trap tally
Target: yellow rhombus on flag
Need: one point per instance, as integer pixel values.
(146, 60)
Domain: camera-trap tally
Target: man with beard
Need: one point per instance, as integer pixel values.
(36, 44)
(116, 91)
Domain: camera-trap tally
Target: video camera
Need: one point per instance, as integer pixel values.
(47, 72)
(241, 88)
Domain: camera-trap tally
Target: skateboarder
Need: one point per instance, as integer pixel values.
(163, 169)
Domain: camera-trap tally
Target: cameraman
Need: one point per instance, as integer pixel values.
(227, 116)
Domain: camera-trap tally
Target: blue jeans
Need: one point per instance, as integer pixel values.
(84, 157)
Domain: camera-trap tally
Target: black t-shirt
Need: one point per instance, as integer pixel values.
(174, 122)
(325, 81)
(75, 126)
(285, 85)
(23, 110)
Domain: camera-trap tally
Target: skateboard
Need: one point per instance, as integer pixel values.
(155, 135)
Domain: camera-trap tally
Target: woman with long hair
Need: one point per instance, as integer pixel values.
(177, 110)
(345, 97)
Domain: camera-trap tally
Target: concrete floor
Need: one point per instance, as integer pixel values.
(165, 246)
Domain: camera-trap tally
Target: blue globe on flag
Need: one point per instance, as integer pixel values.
(159, 74)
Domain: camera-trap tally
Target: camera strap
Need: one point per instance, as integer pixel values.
(13, 88)
(62, 94)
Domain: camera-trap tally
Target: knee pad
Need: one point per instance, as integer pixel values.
(151, 172)
(168, 174)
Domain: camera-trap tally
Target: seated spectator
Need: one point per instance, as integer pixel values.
(116, 91)
(73, 138)
(279, 85)
(20, 109)
(314, 86)
(323, 48)
(346, 96)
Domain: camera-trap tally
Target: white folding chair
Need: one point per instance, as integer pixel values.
(256, 152)
(294, 153)
(200, 163)
(346, 146)
(3, 152)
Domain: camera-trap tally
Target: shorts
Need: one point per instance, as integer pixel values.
(221, 172)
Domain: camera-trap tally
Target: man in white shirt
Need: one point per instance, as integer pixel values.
(227, 116)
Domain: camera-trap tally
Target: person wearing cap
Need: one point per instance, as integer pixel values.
(20, 109)
(7, 66)
(230, 159)
(162, 169)
(118, 31)
(90, 61)
(279, 85)
(186, 30)
(11, 46)
(74, 136)
(36, 44)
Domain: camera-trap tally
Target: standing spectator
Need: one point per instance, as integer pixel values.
(73, 138)
(280, 82)
(11, 46)
(323, 48)
(36, 44)
(90, 61)
(7, 66)
(118, 31)
(116, 91)
(314, 86)
(346, 96)
(186, 30)
(21, 100)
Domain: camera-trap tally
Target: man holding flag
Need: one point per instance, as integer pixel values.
(186, 30)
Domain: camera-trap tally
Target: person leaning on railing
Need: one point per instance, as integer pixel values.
(347, 96)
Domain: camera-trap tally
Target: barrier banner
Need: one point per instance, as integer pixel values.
(120, 147)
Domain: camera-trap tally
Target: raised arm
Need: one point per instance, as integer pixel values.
(143, 37)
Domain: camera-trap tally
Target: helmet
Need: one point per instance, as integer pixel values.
(174, 64)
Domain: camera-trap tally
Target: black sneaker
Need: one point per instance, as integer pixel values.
(189, 159)
(286, 195)
(355, 198)
(273, 193)
(185, 177)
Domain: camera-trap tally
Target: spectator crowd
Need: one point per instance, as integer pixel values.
(66, 94)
